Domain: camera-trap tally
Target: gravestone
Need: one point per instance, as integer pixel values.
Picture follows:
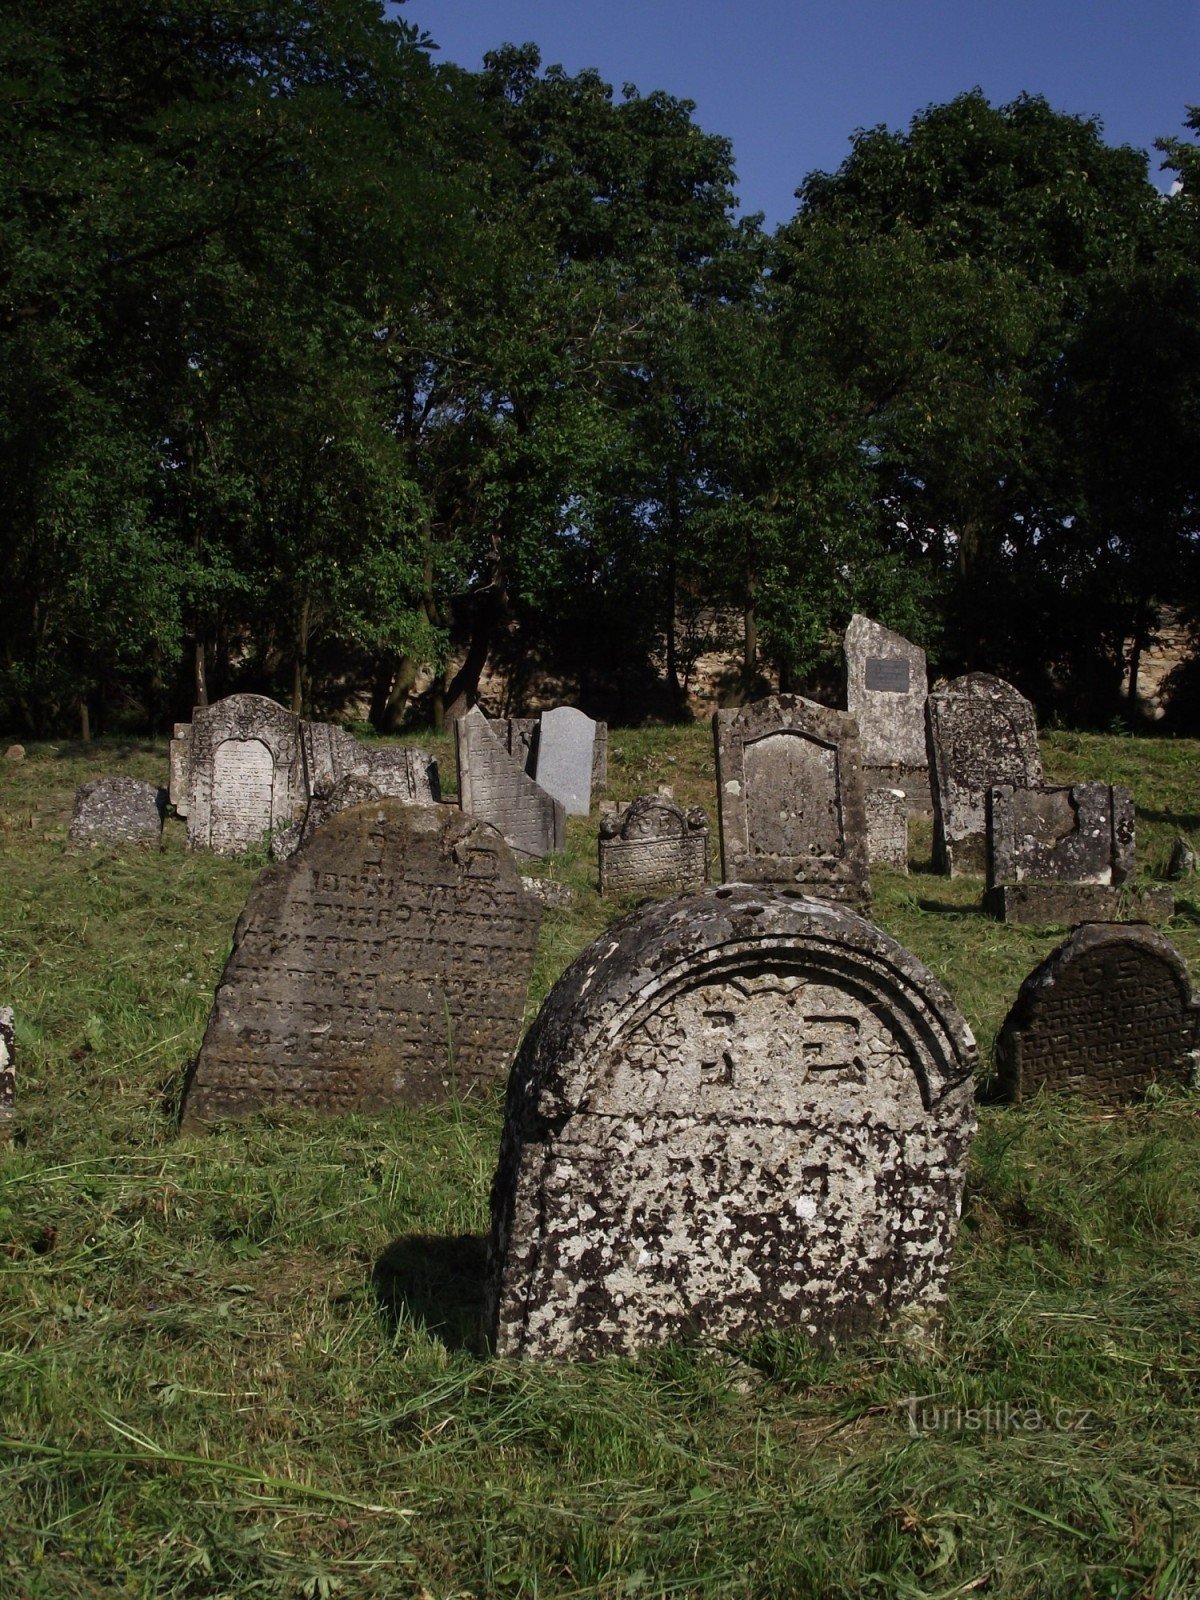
(1109, 1012)
(790, 798)
(385, 963)
(332, 799)
(493, 787)
(565, 757)
(117, 811)
(179, 778)
(520, 735)
(247, 776)
(8, 1068)
(737, 1110)
(886, 687)
(400, 771)
(887, 828)
(15, 752)
(653, 844)
(982, 733)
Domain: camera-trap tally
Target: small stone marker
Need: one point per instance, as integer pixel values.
(565, 758)
(15, 752)
(8, 1068)
(737, 1110)
(247, 776)
(385, 963)
(1182, 863)
(982, 733)
(1109, 1012)
(887, 828)
(886, 688)
(790, 798)
(653, 844)
(552, 893)
(117, 811)
(179, 780)
(493, 787)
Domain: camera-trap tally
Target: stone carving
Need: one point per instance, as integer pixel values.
(653, 844)
(887, 828)
(981, 733)
(385, 963)
(180, 769)
(332, 799)
(738, 1109)
(247, 776)
(565, 757)
(790, 798)
(493, 786)
(886, 686)
(1110, 1011)
(8, 1067)
(117, 811)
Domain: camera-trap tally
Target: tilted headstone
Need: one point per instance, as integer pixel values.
(565, 758)
(886, 687)
(247, 776)
(180, 769)
(8, 1067)
(117, 811)
(653, 844)
(887, 828)
(493, 787)
(1109, 1012)
(385, 963)
(982, 732)
(790, 798)
(737, 1110)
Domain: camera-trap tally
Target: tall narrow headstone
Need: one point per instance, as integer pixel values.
(493, 787)
(739, 1109)
(982, 732)
(180, 770)
(385, 963)
(565, 758)
(1111, 1011)
(886, 687)
(247, 774)
(8, 1068)
(790, 798)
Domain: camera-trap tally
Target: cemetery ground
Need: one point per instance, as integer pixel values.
(241, 1362)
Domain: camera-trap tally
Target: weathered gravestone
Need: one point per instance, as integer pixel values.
(521, 736)
(790, 798)
(179, 780)
(1109, 1012)
(886, 688)
(652, 843)
(8, 1068)
(400, 771)
(493, 786)
(246, 776)
(738, 1109)
(1065, 854)
(982, 732)
(565, 758)
(385, 963)
(887, 828)
(117, 811)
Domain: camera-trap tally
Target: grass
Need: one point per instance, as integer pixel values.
(240, 1363)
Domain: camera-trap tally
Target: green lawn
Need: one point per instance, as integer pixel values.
(238, 1364)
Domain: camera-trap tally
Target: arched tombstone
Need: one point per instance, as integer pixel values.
(1109, 1012)
(738, 1109)
(246, 776)
(653, 844)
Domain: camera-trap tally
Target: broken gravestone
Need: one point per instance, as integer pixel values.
(402, 772)
(565, 757)
(737, 1110)
(493, 786)
(652, 843)
(982, 733)
(8, 1068)
(886, 688)
(117, 811)
(790, 798)
(1111, 1011)
(385, 963)
(246, 776)
(1066, 854)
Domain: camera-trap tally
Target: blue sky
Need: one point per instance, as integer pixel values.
(789, 82)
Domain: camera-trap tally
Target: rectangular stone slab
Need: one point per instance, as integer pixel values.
(566, 757)
(493, 786)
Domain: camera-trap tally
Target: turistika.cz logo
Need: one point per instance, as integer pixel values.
(925, 1414)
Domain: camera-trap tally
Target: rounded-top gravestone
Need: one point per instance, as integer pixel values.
(738, 1109)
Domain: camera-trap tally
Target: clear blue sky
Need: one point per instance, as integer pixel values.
(789, 81)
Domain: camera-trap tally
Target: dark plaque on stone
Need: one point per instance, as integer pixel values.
(888, 674)
(738, 1109)
(385, 963)
(1109, 1012)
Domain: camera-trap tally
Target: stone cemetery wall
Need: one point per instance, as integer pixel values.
(8, 1069)
(385, 963)
(493, 786)
(653, 844)
(886, 688)
(982, 733)
(246, 775)
(565, 757)
(117, 811)
(739, 1109)
(790, 798)
(1109, 1012)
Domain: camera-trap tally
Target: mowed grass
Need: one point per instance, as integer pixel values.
(243, 1363)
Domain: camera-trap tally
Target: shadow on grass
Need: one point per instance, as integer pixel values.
(1187, 910)
(1187, 820)
(947, 908)
(435, 1281)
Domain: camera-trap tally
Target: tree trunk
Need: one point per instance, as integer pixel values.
(463, 689)
(674, 687)
(300, 659)
(199, 674)
(85, 720)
